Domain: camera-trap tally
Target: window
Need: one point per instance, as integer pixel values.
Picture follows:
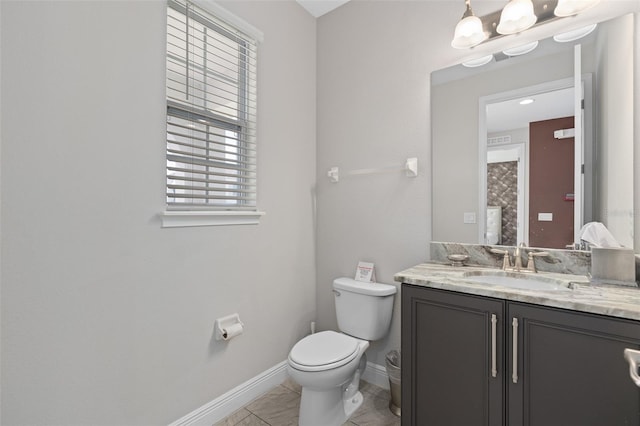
(211, 114)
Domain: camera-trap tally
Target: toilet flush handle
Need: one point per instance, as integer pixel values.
(336, 292)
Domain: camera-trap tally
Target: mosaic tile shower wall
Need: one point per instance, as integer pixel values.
(502, 190)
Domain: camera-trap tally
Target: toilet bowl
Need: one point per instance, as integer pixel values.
(328, 365)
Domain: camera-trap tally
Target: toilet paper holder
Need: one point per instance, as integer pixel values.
(228, 327)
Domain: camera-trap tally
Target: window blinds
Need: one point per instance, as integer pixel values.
(211, 112)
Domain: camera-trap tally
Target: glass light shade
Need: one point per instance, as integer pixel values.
(468, 33)
(521, 50)
(473, 63)
(575, 34)
(516, 16)
(573, 7)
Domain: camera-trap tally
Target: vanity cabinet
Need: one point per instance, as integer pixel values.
(570, 368)
(449, 350)
(473, 360)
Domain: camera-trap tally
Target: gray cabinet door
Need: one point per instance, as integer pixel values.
(448, 355)
(570, 369)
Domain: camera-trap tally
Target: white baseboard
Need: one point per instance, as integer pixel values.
(236, 398)
(243, 394)
(376, 375)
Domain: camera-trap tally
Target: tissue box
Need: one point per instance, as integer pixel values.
(615, 265)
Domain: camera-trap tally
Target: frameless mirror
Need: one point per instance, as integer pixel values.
(507, 171)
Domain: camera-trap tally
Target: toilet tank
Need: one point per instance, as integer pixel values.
(363, 309)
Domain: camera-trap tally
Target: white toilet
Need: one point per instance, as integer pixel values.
(328, 364)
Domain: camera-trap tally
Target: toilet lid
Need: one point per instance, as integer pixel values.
(326, 347)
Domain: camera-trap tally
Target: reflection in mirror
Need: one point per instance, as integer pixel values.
(516, 172)
(518, 168)
(530, 152)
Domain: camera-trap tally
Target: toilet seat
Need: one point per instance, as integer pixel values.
(323, 351)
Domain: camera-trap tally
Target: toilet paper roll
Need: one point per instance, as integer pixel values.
(232, 331)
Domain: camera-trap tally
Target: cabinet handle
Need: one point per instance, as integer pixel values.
(633, 358)
(494, 369)
(514, 375)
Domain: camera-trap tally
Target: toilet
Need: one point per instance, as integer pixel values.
(328, 364)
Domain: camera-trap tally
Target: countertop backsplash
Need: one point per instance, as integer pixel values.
(576, 262)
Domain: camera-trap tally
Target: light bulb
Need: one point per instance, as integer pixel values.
(516, 16)
(468, 32)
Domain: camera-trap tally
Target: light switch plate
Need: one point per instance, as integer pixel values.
(545, 217)
(470, 217)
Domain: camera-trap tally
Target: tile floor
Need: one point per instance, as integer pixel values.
(279, 407)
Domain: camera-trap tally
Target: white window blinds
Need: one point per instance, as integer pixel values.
(211, 112)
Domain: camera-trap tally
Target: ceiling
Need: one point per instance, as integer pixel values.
(509, 115)
(318, 8)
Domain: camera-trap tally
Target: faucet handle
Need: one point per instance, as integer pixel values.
(506, 260)
(531, 265)
(539, 254)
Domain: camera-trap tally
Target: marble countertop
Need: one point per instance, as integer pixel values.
(583, 296)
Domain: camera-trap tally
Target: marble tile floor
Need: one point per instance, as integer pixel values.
(279, 407)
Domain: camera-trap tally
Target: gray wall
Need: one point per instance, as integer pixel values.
(374, 60)
(374, 65)
(615, 85)
(106, 317)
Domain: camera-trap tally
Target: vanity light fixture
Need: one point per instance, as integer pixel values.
(468, 32)
(473, 63)
(575, 34)
(521, 50)
(516, 17)
(573, 7)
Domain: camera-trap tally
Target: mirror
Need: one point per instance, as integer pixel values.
(477, 154)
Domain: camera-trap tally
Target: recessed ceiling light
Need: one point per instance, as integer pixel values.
(527, 101)
(521, 50)
(478, 62)
(574, 34)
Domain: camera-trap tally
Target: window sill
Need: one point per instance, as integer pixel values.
(178, 219)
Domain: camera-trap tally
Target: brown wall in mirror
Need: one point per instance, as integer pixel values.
(550, 183)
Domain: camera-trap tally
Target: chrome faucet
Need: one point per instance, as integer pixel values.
(517, 259)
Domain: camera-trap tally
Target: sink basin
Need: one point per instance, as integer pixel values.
(517, 280)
